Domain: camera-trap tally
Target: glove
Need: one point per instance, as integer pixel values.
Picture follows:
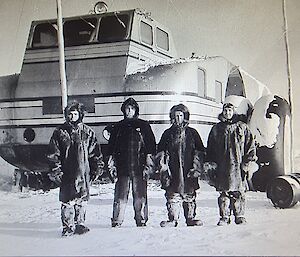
(56, 177)
(112, 169)
(249, 168)
(149, 167)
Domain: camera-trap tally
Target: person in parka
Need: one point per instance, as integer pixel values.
(231, 159)
(75, 160)
(131, 148)
(180, 159)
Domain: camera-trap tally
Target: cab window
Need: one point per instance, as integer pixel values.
(146, 33)
(45, 35)
(79, 32)
(113, 28)
(162, 39)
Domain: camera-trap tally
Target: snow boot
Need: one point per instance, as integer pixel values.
(193, 222)
(223, 221)
(141, 224)
(81, 229)
(115, 224)
(168, 223)
(240, 220)
(67, 232)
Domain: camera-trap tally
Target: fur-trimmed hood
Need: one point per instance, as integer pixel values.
(182, 108)
(74, 106)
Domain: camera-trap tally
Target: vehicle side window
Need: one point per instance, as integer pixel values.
(218, 85)
(235, 84)
(162, 39)
(45, 35)
(146, 33)
(201, 82)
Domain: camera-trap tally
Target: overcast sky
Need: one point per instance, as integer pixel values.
(247, 32)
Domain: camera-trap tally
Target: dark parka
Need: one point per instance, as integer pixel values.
(75, 154)
(230, 145)
(181, 144)
(129, 138)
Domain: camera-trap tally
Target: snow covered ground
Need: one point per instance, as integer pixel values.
(30, 226)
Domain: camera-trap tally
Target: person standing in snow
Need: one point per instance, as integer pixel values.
(75, 160)
(180, 158)
(231, 158)
(131, 148)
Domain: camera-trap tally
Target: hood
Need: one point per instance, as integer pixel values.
(182, 108)
(74, 106)
(132, 102)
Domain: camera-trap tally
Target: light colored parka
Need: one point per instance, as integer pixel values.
(75, 155)
(231, 146)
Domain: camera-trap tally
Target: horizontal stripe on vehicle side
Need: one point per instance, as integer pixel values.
(97, 119)
(117, 94)
(98, 124)
(21, 104)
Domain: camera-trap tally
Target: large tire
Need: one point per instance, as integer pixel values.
(284, 191)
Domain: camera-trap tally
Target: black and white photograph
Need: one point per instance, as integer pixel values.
(149, 128)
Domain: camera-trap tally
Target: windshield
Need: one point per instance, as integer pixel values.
(80, 31)
(113, 28)
(45, 35)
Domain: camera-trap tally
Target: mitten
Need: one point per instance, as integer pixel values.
(98, 172)
(209, 172)
(112, 169)
(56, 177)
(149, 167)
(165, 179)
(197, 169)
(193, 174)
(249, 168)
(162, 160)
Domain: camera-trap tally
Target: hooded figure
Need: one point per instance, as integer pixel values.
(131, 148)
(75, 160)
(231, 157)
(180, 158)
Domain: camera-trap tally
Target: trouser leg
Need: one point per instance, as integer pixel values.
(17, 180)
(140, 205)
(189, 206)
(238, 203)
(120, 200)
(68, 216)
(174, 201)
(80, 211)
(224, 205)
